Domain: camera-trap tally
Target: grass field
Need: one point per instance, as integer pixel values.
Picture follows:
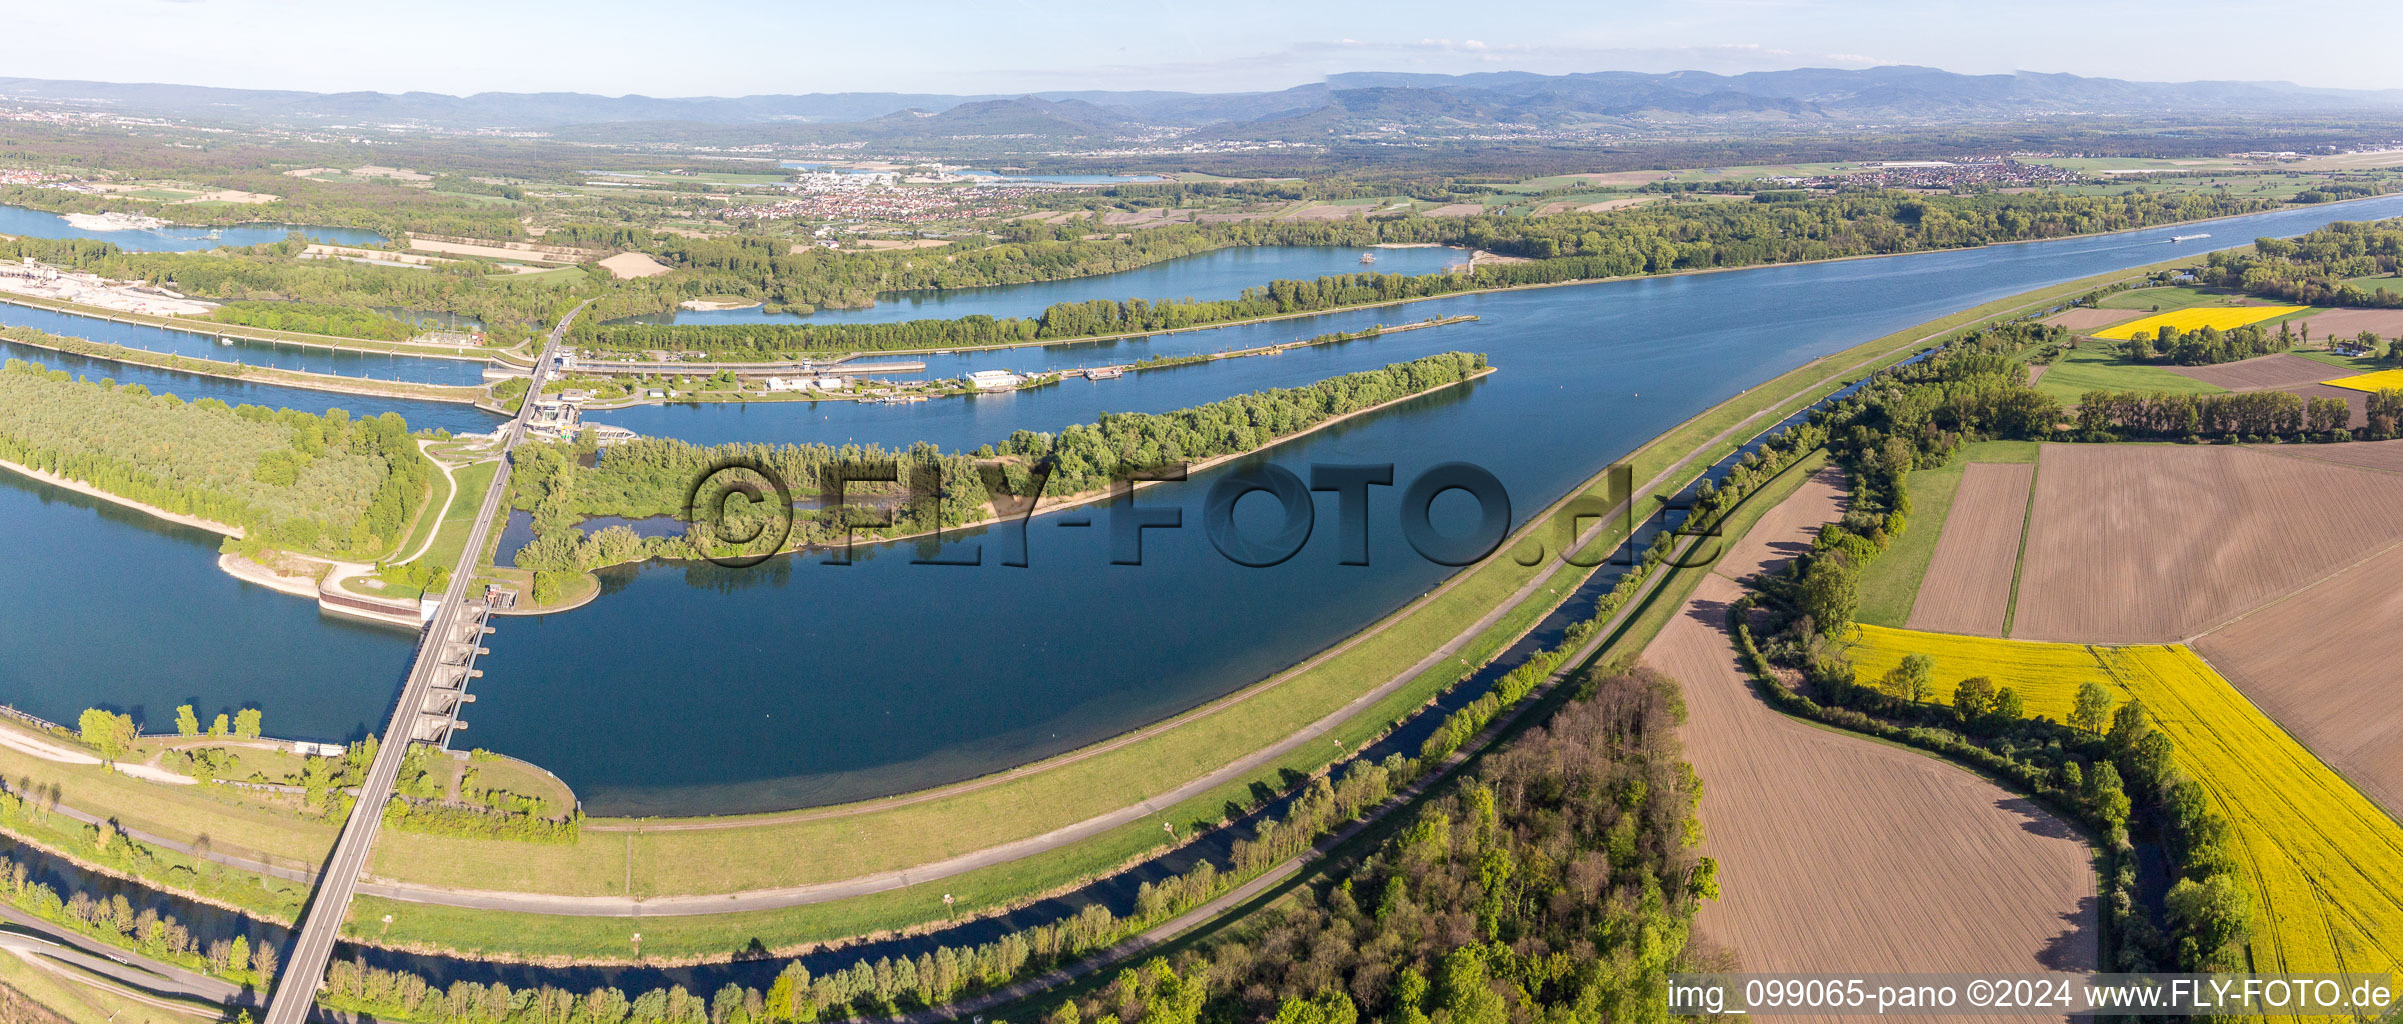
(2166, 298)
(2195, 318)
(2326, 865)
(451, 535)
(1890, 586)
(2378, 283)
(2095, 366)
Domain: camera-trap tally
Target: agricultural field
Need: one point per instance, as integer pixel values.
(2099, 366)
(1889, 587)
(1968, 582)
(1892, 851)
(2378, 283)
(2169, 297)
(2344, 324)
(2281, 370)
(2369, 383)
(2318, 663)
(2195, 318)
(2136, 543)
(2326, 865)
(2088, 318)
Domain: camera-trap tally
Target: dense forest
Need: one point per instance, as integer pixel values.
(2114, 771)
(314, 318)
(317, 484)
(2317, 269)
(1653, 239)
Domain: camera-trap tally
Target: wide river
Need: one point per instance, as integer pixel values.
(694, 690)
(17, 220)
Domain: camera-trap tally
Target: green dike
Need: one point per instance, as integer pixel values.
(1890, 586)
(590, 939)
(761, 855)
(200, 325)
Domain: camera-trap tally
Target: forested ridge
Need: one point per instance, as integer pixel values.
(1653, 239)
(318, 484)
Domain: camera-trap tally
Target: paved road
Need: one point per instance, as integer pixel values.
(321, 923)
(133, 969)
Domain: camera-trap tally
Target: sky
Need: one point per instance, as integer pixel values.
(738, 47)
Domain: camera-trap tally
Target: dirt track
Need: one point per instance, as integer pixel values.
(1968, 583)
(1839, 853)
(2323, 664)
(2156, 543)
(2262, 372)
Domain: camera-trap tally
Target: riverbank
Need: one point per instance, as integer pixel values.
(215, 329)
(89, 491)
(366, 387)
(1496, 258)
(1040, 794)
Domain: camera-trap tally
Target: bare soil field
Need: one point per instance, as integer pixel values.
(2383, 456)
(1325, 212)
(2092, 319)
(498, 250)
(2156, 543)
(2261, 373)
(1456, 210)
(2323, 664)
(1968, 584)
(1789, 529)
(2345, 323)
(1837, 853)
(2036, 371)
(634, 264)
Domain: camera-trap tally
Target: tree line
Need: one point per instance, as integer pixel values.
(2316, 269)
(2123, 782)
(314, 318)
(1656, 239)
(931, 489)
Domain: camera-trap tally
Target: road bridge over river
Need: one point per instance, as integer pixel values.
(427, 711)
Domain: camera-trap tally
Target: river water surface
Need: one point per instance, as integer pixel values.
(689, 690)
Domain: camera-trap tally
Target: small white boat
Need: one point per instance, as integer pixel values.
(2186, 238)
(1368, 257)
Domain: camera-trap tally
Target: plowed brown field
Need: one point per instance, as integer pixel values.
(2324, 663)
(2156, 543)
(2384, 456)
(1837, 853)
(2345, 323)
(2356, 401)
(1790, 528)
(2262, 372)
(1968, 584)
(2092, 319)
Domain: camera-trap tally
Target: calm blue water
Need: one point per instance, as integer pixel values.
(17, 220)
(416, 369)
(1218, 274)
(450, 416)
(832, 683)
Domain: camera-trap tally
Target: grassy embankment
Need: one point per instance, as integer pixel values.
(767, 851)
(369, 386)
(1890, 585)
(216, 329)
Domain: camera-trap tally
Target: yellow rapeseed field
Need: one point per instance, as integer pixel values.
(2370, 382)
(2196, 318)
(2047, 676)
(2326, 864)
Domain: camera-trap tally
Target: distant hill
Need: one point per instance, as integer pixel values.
(1367, 103)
